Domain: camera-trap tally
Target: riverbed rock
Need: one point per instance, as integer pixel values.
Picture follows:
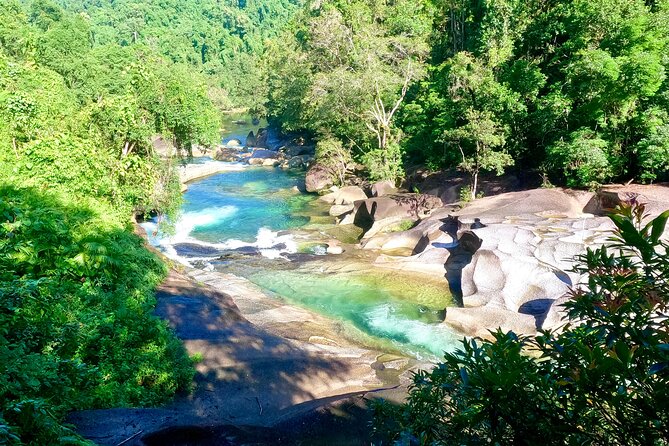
(251, 139)
(340, 209)
(349, 195)
(233, 143)
(391, 209)
(227, 154)
(270, 162)
(513, 270)
(318, 178)
(299, 150)
(262, 138)
(299, 162)
(382, 188)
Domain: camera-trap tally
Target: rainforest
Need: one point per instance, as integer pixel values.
(467, 197)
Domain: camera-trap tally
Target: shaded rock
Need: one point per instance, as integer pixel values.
(318, 178)
(265, 154)
(298, 162)
(195, 250)
(397, 207)
(299, 150)
(470, 242)
(251, 139)
(382, 188)
(262, 138)
(349, 194)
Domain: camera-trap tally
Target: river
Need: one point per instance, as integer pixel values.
(253, 222)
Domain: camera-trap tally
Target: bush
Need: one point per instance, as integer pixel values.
(76, 323)
(583, 159)
(331, 153)
(602, 379)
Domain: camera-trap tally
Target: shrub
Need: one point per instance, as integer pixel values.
(76, 323)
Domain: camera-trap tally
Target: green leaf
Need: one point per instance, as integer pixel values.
(659, 224)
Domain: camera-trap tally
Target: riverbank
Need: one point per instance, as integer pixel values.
(262, 366)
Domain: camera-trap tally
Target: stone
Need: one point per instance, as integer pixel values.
(335, 250)
(251, 139)
(340, 209)
(262, 138)
(269, 162)
(318, 178)
(299, 162)
(227, 154)
(297, 150)
(264, 153)
(382, 188)
(233, 143)
(349, 195)
(255, 161)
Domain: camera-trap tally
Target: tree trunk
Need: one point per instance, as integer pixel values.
(475, 185)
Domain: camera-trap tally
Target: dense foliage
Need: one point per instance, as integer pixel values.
(222, 40)
(603, 379)
(572, 90)
(76, 162)
(76, 328)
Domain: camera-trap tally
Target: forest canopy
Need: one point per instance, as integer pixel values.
(573, 91)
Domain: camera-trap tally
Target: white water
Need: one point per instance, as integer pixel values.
(266, 240)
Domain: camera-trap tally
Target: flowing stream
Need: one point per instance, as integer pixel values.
(252, 221)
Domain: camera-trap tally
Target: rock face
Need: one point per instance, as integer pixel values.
(318, 178)
(512, 270)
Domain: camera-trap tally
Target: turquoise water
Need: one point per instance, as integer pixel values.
(235, 205)
(383, 309)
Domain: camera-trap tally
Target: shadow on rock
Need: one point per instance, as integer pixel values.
(461, 252)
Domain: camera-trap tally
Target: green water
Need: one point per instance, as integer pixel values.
(383, 309)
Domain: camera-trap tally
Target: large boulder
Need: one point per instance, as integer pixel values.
(262, 137)
(227, 154)
(251, 139)
(318, 178)
(349, 195)
(383, 188)
(299, 150)
(395, 207)
(299, 162)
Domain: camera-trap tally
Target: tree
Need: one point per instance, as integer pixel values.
(478, 103)
(485, 135)
(602, 379)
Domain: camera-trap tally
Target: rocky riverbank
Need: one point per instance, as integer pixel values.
(261, 366)
(506, 259)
